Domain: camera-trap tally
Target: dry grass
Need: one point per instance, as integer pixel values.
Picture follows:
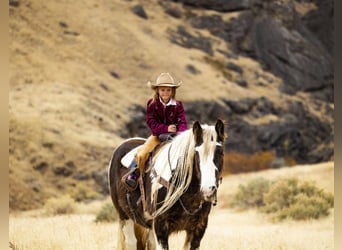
(61, 232)
(227, 229)
(249, 230)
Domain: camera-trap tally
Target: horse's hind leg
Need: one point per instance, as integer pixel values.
(126, 239)
(121, 236)
(144, 238)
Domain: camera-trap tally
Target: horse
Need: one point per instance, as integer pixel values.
(180, 185)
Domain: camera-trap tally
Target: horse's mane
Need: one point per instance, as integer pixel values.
(175, 159)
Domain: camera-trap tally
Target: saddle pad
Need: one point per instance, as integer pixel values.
(129, 157)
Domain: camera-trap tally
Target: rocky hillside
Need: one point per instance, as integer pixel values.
(78, 73)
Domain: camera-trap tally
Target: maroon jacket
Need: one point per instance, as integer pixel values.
(159, 117)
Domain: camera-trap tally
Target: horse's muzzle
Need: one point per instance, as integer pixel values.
(211, 195)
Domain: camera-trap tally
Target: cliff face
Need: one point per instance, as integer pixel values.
(78, 73)
(285, 38)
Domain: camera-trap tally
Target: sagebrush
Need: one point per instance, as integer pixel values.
(286, 198)
(290, 198)
(107, 213)
(59, 205)
(251, 195)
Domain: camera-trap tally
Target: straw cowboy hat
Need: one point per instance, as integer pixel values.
(164, 80)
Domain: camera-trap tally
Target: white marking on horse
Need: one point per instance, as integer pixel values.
(208, 168)
(206, 153)
(126, 238)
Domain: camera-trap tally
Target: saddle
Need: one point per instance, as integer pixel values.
(129, 159)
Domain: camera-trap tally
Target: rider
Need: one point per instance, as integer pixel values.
(164, 114)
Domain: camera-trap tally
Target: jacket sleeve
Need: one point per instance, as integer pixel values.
(156, 126)
(181, 117)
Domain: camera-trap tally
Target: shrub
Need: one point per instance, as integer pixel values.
(280, 195)
(288, 198)
(107, 214)
(251, 195)
(284, 198)
(82, 192)
(305, 207)
(61, 205)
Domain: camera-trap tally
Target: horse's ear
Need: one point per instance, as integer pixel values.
(219, 127)
(198, 133)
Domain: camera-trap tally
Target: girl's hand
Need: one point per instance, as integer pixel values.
(172, 128)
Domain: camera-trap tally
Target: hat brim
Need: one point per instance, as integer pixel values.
(154, 85)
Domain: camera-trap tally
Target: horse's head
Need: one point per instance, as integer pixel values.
(209, 155)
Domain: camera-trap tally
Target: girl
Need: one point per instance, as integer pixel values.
(164, 114)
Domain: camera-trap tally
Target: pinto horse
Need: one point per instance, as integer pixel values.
(180, 186)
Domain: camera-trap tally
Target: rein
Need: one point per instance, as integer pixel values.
(168, 159)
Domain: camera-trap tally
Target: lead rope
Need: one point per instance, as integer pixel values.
(189, 212)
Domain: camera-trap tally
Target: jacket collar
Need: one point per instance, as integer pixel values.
(171, 102)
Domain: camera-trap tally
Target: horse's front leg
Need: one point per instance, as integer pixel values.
(194, 236)
(193, 239)
(161, 234)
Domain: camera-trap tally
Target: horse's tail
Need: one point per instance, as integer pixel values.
(115, 168)
(113, 177)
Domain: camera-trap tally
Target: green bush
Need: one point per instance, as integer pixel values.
(251, 195)
(61, 205)
(284, 199)
(288, 198)
(280, 195)
(82, 192)
(107, 214)
(305, 207)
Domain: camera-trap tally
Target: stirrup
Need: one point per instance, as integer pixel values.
(125, 177)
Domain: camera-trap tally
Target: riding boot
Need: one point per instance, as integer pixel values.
(132, 178)
(144, 152)
(137, 167)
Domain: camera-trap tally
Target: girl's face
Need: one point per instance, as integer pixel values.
(165, 93)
